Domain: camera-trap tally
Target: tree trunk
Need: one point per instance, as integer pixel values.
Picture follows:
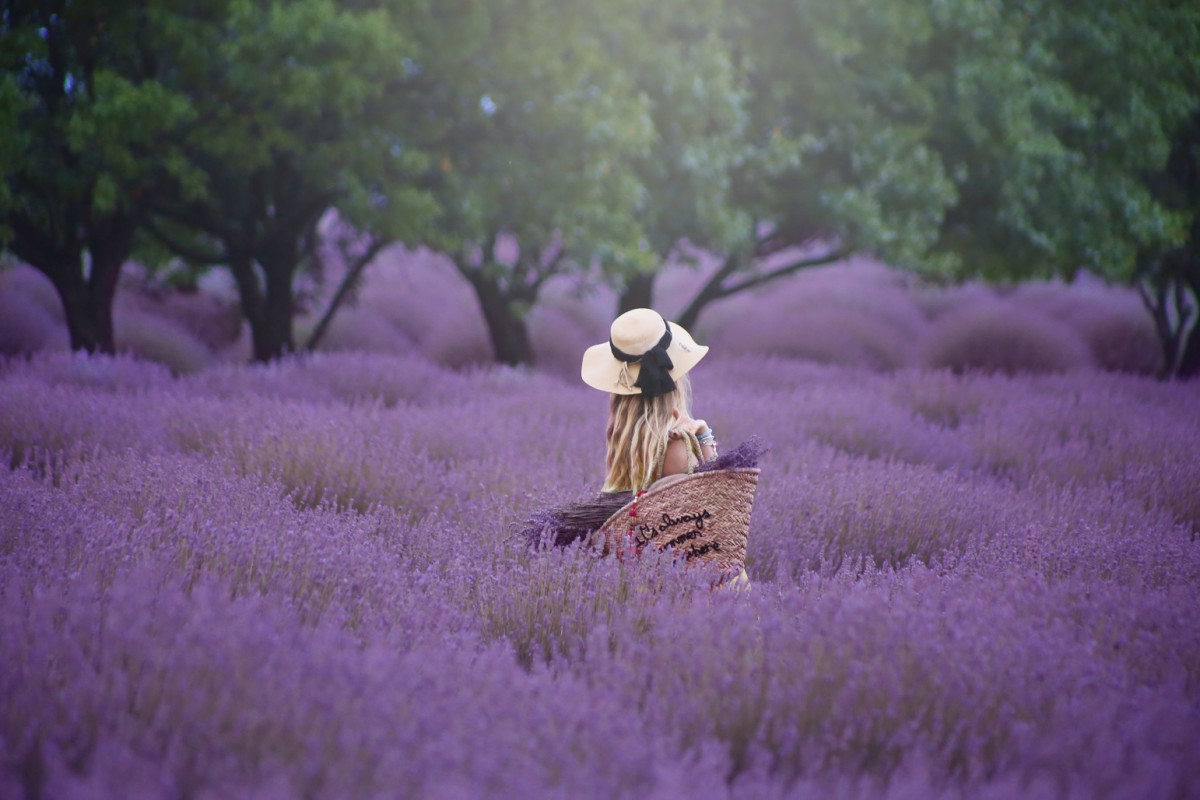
(268, 312)
(87, 305)
(110, 244)
(1189, 359)
(1189, 364)
(638, 292)
(86, 331)
(250, 296)
(506, 327)
(102, 294)
(1172, 320)
(87, 302)
(276, 337)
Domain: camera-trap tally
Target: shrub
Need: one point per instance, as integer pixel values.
(155, 339)
(214, 320)
(1001, 336)
(1112, 321)
(26, 327)
(355, 329)
(208, 314)
(561, 328)
(1121, 338)
(937, 301)
(856, 314)
(422, 296)
(300, 579)
(457, 340)
(33, 285)
(826, 336)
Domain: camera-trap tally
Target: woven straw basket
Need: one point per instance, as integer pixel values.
(703, 517)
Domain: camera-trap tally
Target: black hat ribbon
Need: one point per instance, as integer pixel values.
(654, 378)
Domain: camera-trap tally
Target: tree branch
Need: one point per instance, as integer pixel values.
(349, 280)
(796, 266)
(550, 270)
(710, 290)
(195, 255)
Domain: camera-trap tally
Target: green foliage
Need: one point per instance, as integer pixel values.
(957, 137)
(1050, 118)
(97, 138)
(310, 84)
(313, 84)
(963, 137)
(838, 144)
(680, 62)
(301, 106)
(117, 123)
(534, 122)
(94, 123)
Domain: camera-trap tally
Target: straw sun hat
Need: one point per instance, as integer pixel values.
(645, 354)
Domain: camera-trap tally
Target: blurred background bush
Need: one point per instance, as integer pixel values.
(856, 314)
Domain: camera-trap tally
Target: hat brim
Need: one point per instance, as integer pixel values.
(601, 369)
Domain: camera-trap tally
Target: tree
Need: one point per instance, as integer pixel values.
(1169, 282)
(302, 106)
(535, 121)
(88, 145)
(681, 62)
(971, 137)
(1057, 122)
(1051, 116)
(831, 157)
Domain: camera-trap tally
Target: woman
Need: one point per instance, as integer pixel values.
(651, 433)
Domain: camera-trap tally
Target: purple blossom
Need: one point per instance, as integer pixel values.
(300, 580)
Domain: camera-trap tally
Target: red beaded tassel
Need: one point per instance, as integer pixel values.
(633, 547)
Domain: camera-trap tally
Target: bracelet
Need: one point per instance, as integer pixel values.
(707, 436)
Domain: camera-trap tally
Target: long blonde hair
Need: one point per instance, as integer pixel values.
(637, 435)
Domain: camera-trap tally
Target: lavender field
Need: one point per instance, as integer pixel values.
(301, 581)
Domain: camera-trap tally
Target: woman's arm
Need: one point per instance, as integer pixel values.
(699, 428)
(708, 442)
(676, 460)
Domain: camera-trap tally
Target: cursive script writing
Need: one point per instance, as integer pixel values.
(698, 518)
(645, 534)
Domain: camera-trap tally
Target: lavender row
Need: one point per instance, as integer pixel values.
(299, 581)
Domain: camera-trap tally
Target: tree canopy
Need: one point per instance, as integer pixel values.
(88, 144)
(836, 155)
(535, 121)
(1051, 117)
(301, 109)
(528, 138)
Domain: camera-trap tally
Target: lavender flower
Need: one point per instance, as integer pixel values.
(301, 580)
